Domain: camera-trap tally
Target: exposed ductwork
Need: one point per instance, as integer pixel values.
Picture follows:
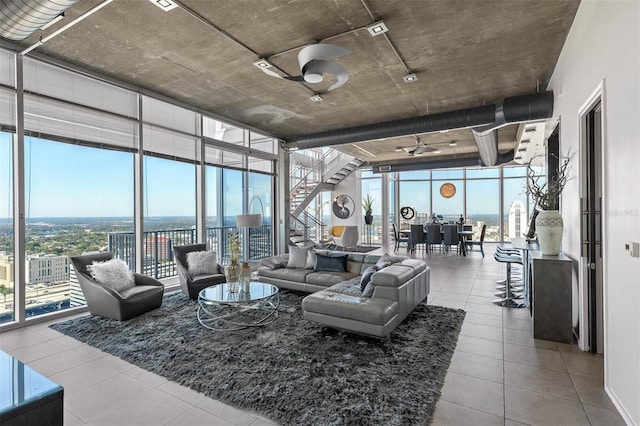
(484, 119)
(21, 18)
(446, 163)
(520, 108)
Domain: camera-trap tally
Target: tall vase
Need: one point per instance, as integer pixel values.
(232, 274)
(549, 227)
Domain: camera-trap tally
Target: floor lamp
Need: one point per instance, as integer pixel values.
(250, 220)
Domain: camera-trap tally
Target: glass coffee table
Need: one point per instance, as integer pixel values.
(221, 310)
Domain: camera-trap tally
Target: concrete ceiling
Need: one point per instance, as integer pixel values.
(466, 53)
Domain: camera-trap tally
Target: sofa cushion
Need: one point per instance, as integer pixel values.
(416, 264)
(393, 276)
(387, 260)
(372, 311)
(275, 262)
(366, 276)
(286, 274)
(297, 257)
(331, 263)
(327, 279)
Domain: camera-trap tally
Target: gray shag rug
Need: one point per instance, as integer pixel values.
(293, 371)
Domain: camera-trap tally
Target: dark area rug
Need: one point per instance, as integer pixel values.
(293, 371)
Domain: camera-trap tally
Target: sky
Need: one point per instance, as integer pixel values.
(64, 180)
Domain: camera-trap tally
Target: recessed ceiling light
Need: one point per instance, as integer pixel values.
(437, 151)
(316, 98)
(453, 143)
(399, 149)
(262, 63)
(409, 78)
(377, 28)
(165, 5)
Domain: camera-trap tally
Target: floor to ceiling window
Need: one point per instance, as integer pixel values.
(75, 198)
(83, 136)
(260, 201)
(415, 193)
(7, 289)
(372, 186)
(473, 193)
(169, 212)
(483, 202)
(516, 207)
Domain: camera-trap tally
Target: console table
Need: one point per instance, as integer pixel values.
(551, 296)
(26, 396)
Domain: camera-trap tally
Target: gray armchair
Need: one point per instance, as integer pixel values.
(144, 296)
(191, 285)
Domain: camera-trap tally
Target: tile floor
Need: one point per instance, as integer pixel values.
(499, 374)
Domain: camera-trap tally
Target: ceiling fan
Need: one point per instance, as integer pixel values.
(314, 64)
(419, 149)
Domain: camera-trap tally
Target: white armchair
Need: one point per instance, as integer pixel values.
(349, 237)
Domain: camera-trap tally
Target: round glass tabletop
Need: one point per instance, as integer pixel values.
(220, 293)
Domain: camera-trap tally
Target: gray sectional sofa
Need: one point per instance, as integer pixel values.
(337, 299)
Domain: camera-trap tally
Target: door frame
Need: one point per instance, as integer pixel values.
(597, 96)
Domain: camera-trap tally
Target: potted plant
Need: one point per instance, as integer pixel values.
(367, 205)
(546, 198)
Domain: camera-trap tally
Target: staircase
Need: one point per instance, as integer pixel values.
(322, 173)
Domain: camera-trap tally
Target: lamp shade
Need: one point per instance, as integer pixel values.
(249, 220)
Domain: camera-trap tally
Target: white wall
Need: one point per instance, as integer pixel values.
(603, 47)
(350, 186)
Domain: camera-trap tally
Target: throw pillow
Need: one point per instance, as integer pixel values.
(297, 257)
(386, 260)
(368, 290)
(202, 262)
(331, 263)
(311, 257)
(366, 276)
(274, 262)
(113, 273)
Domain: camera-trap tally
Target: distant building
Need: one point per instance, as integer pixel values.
(159, 248)
(47, 269)
(517, 219)
(6, 270)
(76, 297)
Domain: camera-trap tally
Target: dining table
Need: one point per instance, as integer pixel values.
(462, 235)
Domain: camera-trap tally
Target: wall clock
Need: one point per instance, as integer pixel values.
(343, 206)
(448, 190)
(407, 213)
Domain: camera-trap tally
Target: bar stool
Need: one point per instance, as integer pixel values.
(508, 301)
(515, 274)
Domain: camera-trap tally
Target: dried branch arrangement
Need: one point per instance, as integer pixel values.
(546, 195)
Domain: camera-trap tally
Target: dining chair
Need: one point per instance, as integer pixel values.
(481, 241)
(450, 236)
(417, 236)
(434, 236)
(398, 239)
(469, 237)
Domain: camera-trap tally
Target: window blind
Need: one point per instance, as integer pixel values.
(169, 143)
(171, 116)
(58, 118)
(7, 107)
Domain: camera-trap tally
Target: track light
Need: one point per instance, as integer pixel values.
(409, 78)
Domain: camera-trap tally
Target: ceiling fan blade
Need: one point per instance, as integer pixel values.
(271, 73)
(422, 149)
(320, 51)
(316, 68)
(299, 78)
